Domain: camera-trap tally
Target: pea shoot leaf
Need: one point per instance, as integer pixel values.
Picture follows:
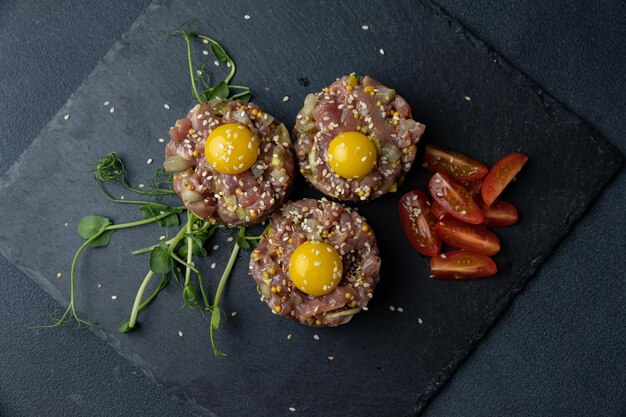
(124, 327)
(102, 240)
(90, 226)
(190, 295)
(219, 52)
(220, 90)
(161, 261)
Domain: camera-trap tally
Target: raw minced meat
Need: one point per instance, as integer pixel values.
(316, 220)
(364, 105)
(237, 199)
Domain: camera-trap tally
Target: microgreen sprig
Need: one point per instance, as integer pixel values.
(222, 89)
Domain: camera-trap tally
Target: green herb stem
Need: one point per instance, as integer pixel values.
(190, 217)
(115, 200)
(191, 72)
(138, 297)
(218, 295)
(137, 223)
(172, 243)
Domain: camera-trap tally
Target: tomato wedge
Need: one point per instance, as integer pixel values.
(462, 264)
(418, 223)
(460, 166)
(500, 214)
(474, 187)
(501, 175)
(461, 235)
(438, 211)
(454, 198)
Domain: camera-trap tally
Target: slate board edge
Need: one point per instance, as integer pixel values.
(502, 304)
(499, 306)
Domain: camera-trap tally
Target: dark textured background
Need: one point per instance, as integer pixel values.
(557, 351)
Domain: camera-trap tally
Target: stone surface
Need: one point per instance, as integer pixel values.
(505, 114)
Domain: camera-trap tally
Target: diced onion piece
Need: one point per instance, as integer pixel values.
(189, 196)
(176, 163)
(283, 135)
(392, 153)
(310, 101)
(385, 95)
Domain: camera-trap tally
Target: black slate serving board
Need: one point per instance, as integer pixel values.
(386, 362)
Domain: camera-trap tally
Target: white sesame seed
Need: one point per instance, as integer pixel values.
(331, 358)
(419, 321)
(365, 27)
(66, 117)
(392, 308)
(112, 110)
(205, 52)
(216, 63)
(161, 237)
(114, 297)
(246, 16)
(285, 99)
(292, 408)
(233, 314)
(468, 98)
(382, 51)
(400, 310)
(121, 197)
(59, 275)
(66, 224)
(106, 103)
(141, 185)
(180, 333)
(213, 265)
(149, 161)
(443, 255)
(289, 336)
(205, 41)
(99, 285)
(216, 247)
(167, 106)
(161, 140)
(316, 337)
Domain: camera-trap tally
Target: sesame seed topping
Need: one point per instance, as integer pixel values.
(59, 275)
(106, 103)
(289, 336)
(316, 337)
(285, 99)
(216, 247)
(213, 265)
(331, 358)
(382, 51)
(233, 314)
(180, 333)
(392, 308)
(292, 408)
(400, 310)
(114, 297)
(149, 161)
(216, 63)
(365, 27)
(66, 117)
(112, 110)
(167, 106)
(247, 16)
(419, 321)
(468, 98)
(161, 140)
(205, 52)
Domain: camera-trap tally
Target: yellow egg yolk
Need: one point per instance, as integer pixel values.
(231, 148)
(315, 268)
(351, 155)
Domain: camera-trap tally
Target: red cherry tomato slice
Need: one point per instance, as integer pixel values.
(474, 187)
(462, 264)
(438, 211)
(454, 198)
(461, 235)
(460, 166)
(501, 175)
(418, 223)
(500, 214)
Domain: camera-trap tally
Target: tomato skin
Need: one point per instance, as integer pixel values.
(462, 264)
(418, 223)
(461, 235)
(438, 211)
(500, 214)
(501, 175)
(454, 198)
(460, 166)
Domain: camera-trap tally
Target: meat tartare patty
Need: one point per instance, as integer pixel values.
(218, 191)
(361, 105)
(330, 225)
